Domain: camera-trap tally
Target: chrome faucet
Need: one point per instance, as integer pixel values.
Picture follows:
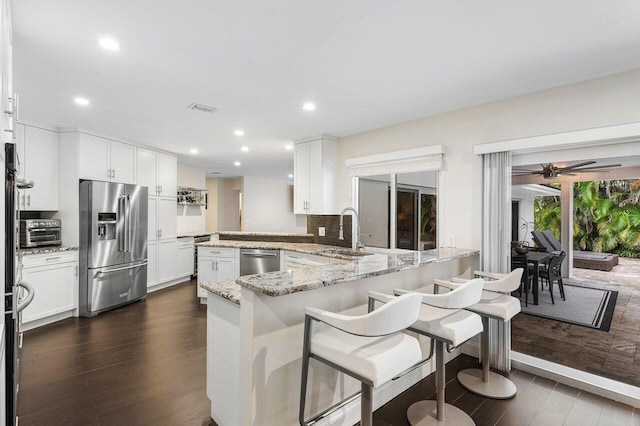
(359, 246)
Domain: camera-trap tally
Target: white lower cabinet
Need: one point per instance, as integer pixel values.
(168, 261)
(54, 277)
(184, 258)
(167, 253)
(152, 264)
(216, 264)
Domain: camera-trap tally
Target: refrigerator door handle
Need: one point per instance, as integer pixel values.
(127, 223)
(26, 301)
(137, 265)
(122, 213)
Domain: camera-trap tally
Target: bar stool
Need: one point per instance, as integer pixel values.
(369, 348)
(496, 303)
(445, 321)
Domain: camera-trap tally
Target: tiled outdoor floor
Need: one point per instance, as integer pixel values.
(614, 354)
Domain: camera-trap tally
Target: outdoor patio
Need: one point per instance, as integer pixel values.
(614, 354)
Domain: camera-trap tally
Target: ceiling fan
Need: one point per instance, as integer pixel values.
(550, 171)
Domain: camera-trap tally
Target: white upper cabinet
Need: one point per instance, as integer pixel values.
(315, 163)
(38, 155)
(168, 175)
(147, 165)
(158, 172)
(123, 162)
(106, 160)
(167, 218)
(93, 157)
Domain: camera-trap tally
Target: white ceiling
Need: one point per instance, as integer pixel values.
(365, 63)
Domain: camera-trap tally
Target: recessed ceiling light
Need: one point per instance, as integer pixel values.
(236, 163)
(81, 101)
(244, 149)
(239, 132)
(289, 175)
(193, 151)
(309, 106)
(288, 147)
(109, 43)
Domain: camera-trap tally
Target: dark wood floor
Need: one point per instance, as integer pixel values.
(138, 365)
(145, 364)
(614, 354)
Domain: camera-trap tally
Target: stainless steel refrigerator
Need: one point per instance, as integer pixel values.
(17, 294)
(113, 245)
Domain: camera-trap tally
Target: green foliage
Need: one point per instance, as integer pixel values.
(606, 216)
(428, 217)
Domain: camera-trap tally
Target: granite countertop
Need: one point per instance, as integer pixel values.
(262, 234)
(227, 289)
(285, 282)
(193, 234)
(42, 250)
(309, 248)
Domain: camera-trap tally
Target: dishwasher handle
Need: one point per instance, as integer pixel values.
(259, 254)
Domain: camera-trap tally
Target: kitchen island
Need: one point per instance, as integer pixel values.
(255, 330)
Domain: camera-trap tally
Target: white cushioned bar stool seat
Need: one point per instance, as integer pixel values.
(444, 319)
(379, 359)
(497, 304)
(370, 348)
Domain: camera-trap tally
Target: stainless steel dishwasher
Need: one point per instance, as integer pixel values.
(259, 261)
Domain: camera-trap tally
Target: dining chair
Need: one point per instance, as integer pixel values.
(527, 275)
(553, 272)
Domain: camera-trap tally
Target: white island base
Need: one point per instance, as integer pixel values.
(254, 348)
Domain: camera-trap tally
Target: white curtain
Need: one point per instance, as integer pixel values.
(496, 246)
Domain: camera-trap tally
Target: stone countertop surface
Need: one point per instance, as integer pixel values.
(262, 234)
(227, 289)
(44, 250)
(309, 248)
(287, 282)
(193, 234)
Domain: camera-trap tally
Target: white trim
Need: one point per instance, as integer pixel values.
(408, 160)
(170, 283)
(315, 138)
(578, 379)
(597, 136)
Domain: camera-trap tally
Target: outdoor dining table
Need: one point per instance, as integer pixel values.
(535, 258)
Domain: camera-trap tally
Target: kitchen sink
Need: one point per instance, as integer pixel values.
(345, 252)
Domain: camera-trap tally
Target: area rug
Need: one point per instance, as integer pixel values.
(585, 306)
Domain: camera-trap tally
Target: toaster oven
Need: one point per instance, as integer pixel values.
(40, 232)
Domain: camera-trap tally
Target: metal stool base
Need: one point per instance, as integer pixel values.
(497, 387)
(423, 413)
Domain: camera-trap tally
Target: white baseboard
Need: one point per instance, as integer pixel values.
(46, 320)
(578, 379)
(166, 284)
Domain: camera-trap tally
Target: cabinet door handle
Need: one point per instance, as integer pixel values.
(28, 200)
(51, 259)
(113, 171)
(160, 189)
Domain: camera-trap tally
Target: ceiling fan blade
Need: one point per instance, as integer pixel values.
(584, 163)
(589, 169)
(525, 170)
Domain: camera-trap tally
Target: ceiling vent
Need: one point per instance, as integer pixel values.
(202, 107)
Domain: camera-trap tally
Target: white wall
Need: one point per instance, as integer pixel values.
(268, 206)
(211, 215)
(191, 218)
(228, 204)
(601, 102)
